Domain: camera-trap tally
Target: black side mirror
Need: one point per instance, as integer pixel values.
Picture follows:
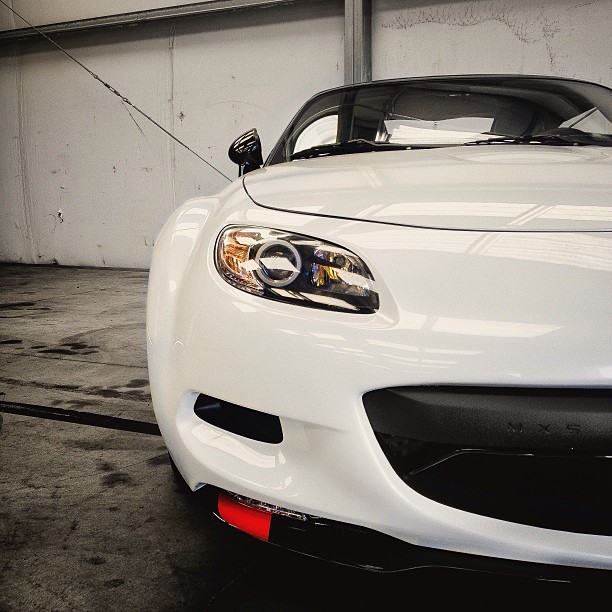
(246, 152)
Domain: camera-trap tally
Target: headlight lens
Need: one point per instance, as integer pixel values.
(294, 268)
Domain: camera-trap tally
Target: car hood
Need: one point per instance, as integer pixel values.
(485, 188)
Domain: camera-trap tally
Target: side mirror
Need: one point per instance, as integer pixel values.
(246, 152)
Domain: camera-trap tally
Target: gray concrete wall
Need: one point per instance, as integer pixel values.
(69, 146)
(554, 37)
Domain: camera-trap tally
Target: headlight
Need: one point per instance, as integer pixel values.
(294, 268)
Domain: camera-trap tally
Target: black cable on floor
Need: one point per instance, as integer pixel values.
(79, 417)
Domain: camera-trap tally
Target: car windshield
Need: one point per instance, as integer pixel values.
(448, 111)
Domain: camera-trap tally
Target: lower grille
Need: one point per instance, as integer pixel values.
(531, 456)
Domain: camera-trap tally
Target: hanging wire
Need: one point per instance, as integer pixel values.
(112, 89)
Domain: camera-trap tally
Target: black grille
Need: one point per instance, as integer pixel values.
(540, 457)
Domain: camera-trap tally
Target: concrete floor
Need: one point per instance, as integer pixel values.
(92, 518)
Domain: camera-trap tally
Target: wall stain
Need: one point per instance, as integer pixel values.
(529, 26)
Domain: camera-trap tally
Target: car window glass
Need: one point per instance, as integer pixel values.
(319, 132)
(445, 111)
(592, 121)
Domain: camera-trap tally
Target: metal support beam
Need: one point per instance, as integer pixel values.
(357, 41)
(137, 17)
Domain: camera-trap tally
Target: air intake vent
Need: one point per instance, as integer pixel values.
(540, 457)
(239, 420)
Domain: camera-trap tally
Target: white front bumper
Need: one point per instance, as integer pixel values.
(457, 307)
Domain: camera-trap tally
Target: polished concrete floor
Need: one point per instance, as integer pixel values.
(92, 517)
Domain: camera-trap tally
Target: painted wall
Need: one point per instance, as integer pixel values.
(70, 146)
(87, 180)
(554, 37)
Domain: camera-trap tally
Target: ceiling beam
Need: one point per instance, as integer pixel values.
(137, 17)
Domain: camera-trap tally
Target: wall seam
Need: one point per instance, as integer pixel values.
(28, 212)
(172, 115)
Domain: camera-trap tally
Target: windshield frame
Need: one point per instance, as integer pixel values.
(525, 86)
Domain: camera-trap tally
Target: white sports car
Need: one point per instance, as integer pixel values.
(390, 344)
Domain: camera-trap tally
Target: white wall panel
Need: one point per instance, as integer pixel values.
(115, 177)
(228, 80)
(553, 37)
(84, 155)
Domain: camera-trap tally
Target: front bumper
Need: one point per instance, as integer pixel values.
(311, 369)
(357, 547)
